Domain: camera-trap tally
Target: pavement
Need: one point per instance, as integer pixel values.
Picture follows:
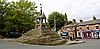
(74, 42)
(89, 44)
(8, 39)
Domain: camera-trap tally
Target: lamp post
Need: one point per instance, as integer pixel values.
(75, 30)
(35, 21)
(54, 24)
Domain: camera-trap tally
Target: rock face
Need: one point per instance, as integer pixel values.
(41, 37)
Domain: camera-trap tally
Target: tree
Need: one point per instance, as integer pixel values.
(3, 6)
(70, 22)
(19, 16)
(60, 20)
(66, 19)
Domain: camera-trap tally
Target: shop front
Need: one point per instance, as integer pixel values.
(95, 34)
(87, 34)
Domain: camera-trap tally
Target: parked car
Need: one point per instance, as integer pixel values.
(64, 34)
(13, 34)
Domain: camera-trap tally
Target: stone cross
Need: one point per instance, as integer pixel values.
(40, 20)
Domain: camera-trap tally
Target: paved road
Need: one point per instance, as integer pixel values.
(90, 44)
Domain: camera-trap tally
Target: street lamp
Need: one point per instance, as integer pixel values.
(35, 21)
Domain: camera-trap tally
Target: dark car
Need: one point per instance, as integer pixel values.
(64, 34)
(13, 34)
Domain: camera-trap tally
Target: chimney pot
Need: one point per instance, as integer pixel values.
(94, 18)
(74, 21)
(81, 20)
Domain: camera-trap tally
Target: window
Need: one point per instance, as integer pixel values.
(87, 27)
(80, 27)
(96, 26)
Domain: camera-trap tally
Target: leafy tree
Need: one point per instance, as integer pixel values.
(3, 7)
(60, 20)
(66, 19)
(19, 16)
(70, 22)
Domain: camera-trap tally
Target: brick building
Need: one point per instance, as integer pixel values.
(91, 28)
(71, 29)
(83, 28)
(90, 25)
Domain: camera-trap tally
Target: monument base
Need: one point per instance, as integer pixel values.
(41, 37)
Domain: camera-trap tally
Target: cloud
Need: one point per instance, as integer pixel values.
(78, 9)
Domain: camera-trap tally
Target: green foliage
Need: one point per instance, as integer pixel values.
(3, 6)
(19, 16)
(60, 19)
(70, 22)
(66, 19)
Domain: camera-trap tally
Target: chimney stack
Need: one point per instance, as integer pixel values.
(74, 21)
(94, 18)
(81, 20)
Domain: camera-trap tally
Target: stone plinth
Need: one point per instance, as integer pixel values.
(41, 37)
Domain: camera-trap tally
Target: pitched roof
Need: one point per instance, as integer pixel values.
(97, 21)
(89, 22)
(71, 25)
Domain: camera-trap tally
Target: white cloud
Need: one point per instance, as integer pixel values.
(78, 9)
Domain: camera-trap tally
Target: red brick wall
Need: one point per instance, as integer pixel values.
(91, 27)
(99, 26)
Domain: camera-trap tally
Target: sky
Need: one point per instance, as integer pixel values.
(75, 9)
